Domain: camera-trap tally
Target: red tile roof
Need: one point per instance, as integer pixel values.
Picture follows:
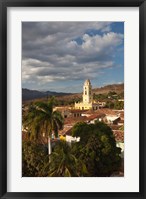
(114, 127)
(77, 111)
(66, 130)
(73, 120)
(119, 135)
(94, 116)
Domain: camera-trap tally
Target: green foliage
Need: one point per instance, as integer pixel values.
(121, 95)
(109, 104)
(63, 162)
(81, 129)
(95, 155)
(35, 161)
(41, 119)
(99, 152)
(112, 95)
(67, 101)
(100, 96)
(119, 105)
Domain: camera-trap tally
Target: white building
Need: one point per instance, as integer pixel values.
(71, 139)
(112, 119)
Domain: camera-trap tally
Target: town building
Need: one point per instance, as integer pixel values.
(87, 102)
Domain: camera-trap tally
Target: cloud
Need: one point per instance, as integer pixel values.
(51, 51)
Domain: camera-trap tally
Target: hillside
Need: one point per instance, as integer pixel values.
(34, 94)
(118, 88)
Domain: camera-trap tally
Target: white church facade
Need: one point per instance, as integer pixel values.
(87, 102)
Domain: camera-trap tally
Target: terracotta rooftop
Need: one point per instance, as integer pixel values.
(73, 120)
(77, 111)
(114, 127)
(94, 116)
(102, 111)
(66, 130)
(119, 135)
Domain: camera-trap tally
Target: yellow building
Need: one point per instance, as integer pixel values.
(87, 102)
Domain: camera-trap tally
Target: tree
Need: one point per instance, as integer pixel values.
(99, 96)
(109, 104)
(63, 162)
(82, 130)
(111, 93)
(98, 150)
(41, 120)
(35, 161)
(119, 105)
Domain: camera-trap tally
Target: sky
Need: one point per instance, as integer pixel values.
(60, 56)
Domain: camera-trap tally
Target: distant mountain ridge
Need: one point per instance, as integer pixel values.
(34, 94)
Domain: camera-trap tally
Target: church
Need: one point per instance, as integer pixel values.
(87, 102)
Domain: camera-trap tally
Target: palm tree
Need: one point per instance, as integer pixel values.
(41, 120)
(63, 163)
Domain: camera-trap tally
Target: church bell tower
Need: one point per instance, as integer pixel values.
(87, 92)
